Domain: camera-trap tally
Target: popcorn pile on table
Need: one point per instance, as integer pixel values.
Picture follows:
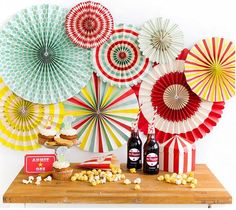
(179, 179)
(95, 177)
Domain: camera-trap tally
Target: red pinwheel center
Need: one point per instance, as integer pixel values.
(122, 55)
(89, 24)
(174, 99)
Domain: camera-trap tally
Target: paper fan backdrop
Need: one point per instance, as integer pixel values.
(103, 115)
(38, 61)
(20, 120)
(119, 60)
(89, 24)
(210, 69)
(160, 40)
(179, 110)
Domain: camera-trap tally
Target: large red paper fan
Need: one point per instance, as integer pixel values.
(179, 110)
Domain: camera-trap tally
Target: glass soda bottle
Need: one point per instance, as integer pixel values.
(151, 153)
(134, 149)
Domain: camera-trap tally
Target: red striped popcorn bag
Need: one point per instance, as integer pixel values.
(177, 155)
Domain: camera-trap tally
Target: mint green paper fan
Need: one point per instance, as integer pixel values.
(38, 61)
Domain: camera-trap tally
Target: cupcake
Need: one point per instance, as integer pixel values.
(46, 135)
(62, 170)
(69, 134)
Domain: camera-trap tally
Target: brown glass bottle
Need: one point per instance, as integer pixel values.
(134, 150)
(151, 153)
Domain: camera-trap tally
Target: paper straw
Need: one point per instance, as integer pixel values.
(154, 116)
(138, 115)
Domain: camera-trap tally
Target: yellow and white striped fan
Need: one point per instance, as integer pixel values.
(210, 69)
(20, 120)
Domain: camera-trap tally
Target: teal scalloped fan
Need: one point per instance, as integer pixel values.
(38, 61)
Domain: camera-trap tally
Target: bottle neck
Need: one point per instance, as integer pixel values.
(151, 137)
(134, 134)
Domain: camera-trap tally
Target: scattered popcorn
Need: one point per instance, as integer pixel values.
(137, 181)
(192, 185)
(96, 178)
(94, 183)
(38, 182)
(178, 181)
(173, 180)
(127, 181)
(132, 170)
(109, 174)
(184, 176)
(73, 178)
(76, 175)
(109, 179)
(48, 179)
(194, 181)
(24, 181)
(160, 178)
(137, 187)
(191, 174)
(30, 181)
(85, 178)
(178, 176)
(167, 176)
(174, 174)
(118, 177)
(39, 178)
(31, 178)
(183, 182)
(103, 180)
(190, 179)
(122, 176)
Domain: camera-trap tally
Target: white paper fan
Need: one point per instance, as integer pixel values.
(160, 40)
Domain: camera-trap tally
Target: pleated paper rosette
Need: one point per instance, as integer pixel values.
(20, 120)
(104, 114)
(119, 60)
(210, 69)
(89, 24)
(179, 110)
(160, 40)
(38, 61)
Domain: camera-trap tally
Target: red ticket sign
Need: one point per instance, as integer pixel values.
(39, 163)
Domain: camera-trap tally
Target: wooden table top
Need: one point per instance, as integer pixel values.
(208, 191)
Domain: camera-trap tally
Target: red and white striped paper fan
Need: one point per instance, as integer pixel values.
(89, 24)
(179, 110)
(119, 61)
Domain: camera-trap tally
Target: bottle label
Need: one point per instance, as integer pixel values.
(134, 154)
(151, 159)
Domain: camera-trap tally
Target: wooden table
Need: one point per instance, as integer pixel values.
(208, 191)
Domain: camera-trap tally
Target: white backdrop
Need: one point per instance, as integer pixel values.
(198, 19)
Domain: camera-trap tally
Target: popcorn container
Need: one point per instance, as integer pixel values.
(177, 155)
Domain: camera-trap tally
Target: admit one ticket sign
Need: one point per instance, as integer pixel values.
(39, 163)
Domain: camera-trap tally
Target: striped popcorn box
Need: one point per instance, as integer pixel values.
(100, 162)
(177, 155)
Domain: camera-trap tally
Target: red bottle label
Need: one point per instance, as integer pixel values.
(134, 154)
(151, 159)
